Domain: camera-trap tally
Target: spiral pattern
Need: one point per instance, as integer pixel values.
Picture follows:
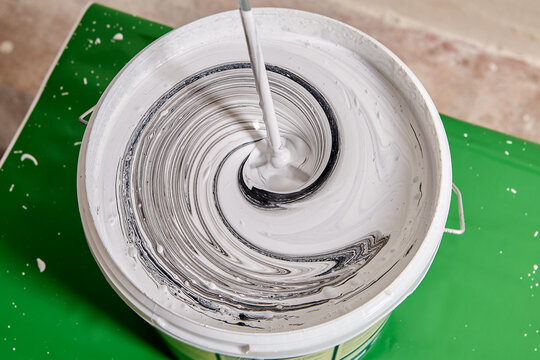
(195, 222)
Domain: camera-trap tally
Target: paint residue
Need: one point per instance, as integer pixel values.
(29, 157)
(6, 47)
(41, 265)
(118, 36)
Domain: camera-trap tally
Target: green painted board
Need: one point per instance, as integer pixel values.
(479, 300)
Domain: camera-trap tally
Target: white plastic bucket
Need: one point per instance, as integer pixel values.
(396, 270)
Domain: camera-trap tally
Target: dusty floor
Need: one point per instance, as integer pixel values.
(466, 82)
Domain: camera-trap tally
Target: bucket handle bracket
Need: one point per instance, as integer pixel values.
(82, 118)
(461, 229)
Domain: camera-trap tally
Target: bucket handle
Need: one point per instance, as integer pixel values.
(82, 118)
(461, 229)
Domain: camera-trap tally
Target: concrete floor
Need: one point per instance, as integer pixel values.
(465, 81)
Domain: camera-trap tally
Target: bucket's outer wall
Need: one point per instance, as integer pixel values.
(352, 349)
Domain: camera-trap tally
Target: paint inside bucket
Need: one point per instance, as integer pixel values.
(226, 265)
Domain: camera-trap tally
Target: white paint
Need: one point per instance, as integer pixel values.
(536, 234)
(97, 41)
(29, 157)
(65, 93)
(118, 36)
(85, 81)
(378, 154)
(41, 265)
(288, 170)
(6, 47)
(77, 143)
(11, 187)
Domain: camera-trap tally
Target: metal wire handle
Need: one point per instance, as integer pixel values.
(82, 118)
(461, 229)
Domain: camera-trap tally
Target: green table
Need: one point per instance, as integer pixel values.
(480, 299)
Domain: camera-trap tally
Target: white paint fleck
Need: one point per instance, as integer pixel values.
(500, 251)
(29, 157)
(77, 143)
(506, 153)
(118, 36)
(13, 185)
(24, 207)
(6, 47)
(536, 234)
(23, 273)
(84, 81)
(465, 135)
(17, 152)
(514, 191)
(41, 264)
(525, 334)
(98, 41)
(509, 142)
(535, 267)
(64, 93)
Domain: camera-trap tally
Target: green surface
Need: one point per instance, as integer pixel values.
(479, 300)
